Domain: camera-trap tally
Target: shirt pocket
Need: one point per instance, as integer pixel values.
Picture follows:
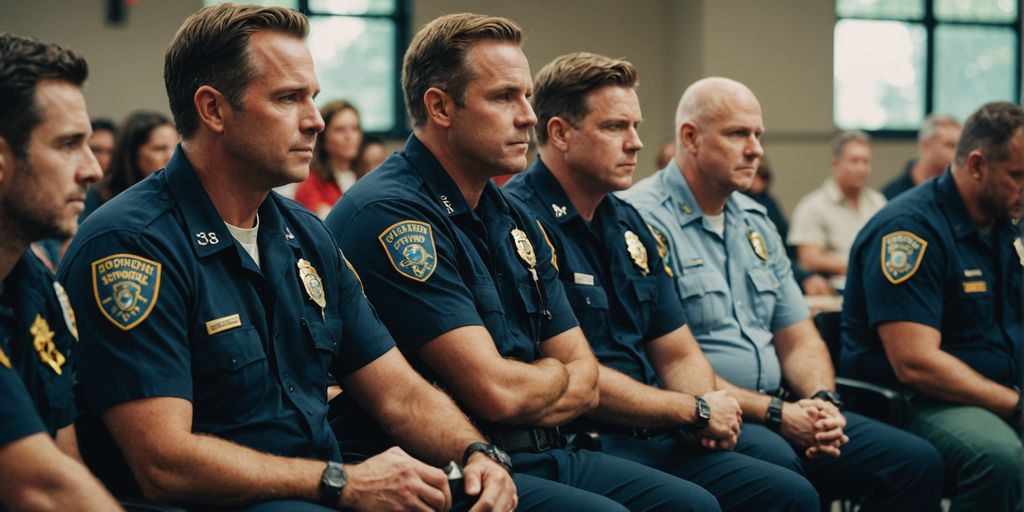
(765, 288)
(590, 304)
(972, 313)
(323, 338)
(705, 298)
(231, 374)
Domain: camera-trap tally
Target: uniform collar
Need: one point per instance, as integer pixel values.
(440, 184)
(684, 206)
(203, 221)
(953, 207)
(551, 193)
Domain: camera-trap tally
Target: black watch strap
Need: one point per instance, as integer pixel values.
(830, 396)
(773, 418)
(331, 484)
(703, 416)
(493, 452)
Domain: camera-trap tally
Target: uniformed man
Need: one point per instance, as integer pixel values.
(655, 383)
(747, 313)
(45, 166)
(212, 312)
(463, 278)
(933, 306)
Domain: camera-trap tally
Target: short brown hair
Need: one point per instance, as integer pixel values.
(437, 56)
(212, 48)
(24, 62)
(988, 130)
(561, 87)
(843, 138)
(321, 160)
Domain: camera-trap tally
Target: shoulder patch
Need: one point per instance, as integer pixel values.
(66, 309)
(409, 245)
(4, 360)
(902, 252)
(126, 288)
(662, 241)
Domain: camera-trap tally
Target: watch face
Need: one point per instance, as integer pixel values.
(334, 476)
(703, 409)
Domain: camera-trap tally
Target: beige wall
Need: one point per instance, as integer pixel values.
(781, 48)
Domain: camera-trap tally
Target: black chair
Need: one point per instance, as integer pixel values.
(878, 402)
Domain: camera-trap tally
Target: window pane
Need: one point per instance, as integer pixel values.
(355, 61)
(879, 75)
(352, 6)
(291, 4)
(976, 10)
(891, 9)
(973, 65)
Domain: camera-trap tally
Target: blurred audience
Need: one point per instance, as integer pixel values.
(372, 154)
(826, 221)
(936, 143)
(666, 151)
(334, 158)
(104, 134)
(144, 145)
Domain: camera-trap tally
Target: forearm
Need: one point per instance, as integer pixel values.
(945, 377)
(67, 441)
(692, 375)
(753, 404)
(818, 259)
(206, 469)
(581, 393)
(38, 476)
(804, 358)
(626, 401)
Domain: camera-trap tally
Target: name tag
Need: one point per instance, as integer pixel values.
(693, 262)
(223, 324)
(972, 272)
(975, 287)
(586, 279)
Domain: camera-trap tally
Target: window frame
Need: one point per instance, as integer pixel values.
(930, 23)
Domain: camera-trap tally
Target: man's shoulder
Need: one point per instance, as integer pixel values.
(648, 195)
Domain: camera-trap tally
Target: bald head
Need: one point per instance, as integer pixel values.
(709, 97)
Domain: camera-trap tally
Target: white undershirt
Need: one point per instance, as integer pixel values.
(717, 222)
(247, 237)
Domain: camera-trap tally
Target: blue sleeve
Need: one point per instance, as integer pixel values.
(364, 338)
(18, 418)
(668, 312)
(121, 359)
(415, 308)
(918, 298)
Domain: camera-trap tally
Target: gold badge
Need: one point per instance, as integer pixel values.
(637, 251)
(3, 359)
(65, 307)
(42, 341)
(685, 208)
(311, 282)
(524, 248)
(758, 244)
(975, 287)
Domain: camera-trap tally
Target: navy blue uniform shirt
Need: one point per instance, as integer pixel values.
(922, 260)
(612, 271)
(431, 264)
(170, 305)
(37, 334)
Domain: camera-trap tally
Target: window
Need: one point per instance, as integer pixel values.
(357, 48)
(897, 60)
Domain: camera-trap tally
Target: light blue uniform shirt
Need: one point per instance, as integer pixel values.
(736, 288)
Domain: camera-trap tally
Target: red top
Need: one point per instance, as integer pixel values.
(316, 194)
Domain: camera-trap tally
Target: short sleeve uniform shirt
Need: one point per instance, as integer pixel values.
(170, 305)
(612, 270)
(923, 260)
(736, 288)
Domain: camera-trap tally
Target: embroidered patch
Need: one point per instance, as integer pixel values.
(554, 255)
(66, 309)
(902, 252)
(662, 242)
(126, 288)
(409, 245)
(42, 341)
(3, 359)
(223, 323)
(637, 251)
(353, 269)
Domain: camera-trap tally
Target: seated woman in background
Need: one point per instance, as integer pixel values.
(144, 145)
(333, 169)
(372, 154)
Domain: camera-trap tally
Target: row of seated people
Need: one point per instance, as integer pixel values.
(212, 314)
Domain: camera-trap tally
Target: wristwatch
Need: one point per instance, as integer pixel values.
(493, 452)
(830, 396)
(773, 418)
(331, 484)
(703, 416)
